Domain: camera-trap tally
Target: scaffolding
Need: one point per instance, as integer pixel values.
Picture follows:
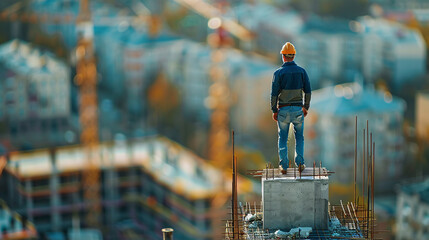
(351, 220)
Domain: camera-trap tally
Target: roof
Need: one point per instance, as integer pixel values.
(168, 162)
(328, 25)
(196, 56)
(351, 98)
(389, 30)
(418, 188)
(421, 15)
(23, 58)
(252, 16)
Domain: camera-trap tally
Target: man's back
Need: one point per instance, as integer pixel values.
(289, 81)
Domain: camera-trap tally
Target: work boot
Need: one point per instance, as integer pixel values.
(284, 171)
(301, 168)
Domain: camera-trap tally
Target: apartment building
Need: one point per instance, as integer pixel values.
(36, 90)
(330, 131)
(412, 211)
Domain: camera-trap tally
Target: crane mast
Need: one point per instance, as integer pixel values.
(86, 79)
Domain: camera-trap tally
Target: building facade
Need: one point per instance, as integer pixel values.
(412, 211)
(402, 4)
(330, 131)
(146, 185)
(403, 50)
(36, 106)
(14, 226)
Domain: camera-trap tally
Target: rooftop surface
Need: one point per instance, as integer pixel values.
(351, 98)
(168, 162)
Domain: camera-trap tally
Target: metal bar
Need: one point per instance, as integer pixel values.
(369, 150)
(351, 216)
(344, 212)
(167, 233)
(294, 171)
(314, 169)
(367, 199)
(367, 159)
(363, 169)
(234, 191)
(273, 171)
(372, 189)
(266, 171)
(367, 140)
(357, 219)
(355, 170)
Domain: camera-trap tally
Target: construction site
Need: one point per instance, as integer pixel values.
(151, 119)
(296, 205)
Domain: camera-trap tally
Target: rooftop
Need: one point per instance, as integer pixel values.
(168, 162)
(351, 98)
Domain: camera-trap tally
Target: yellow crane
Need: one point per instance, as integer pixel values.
(219, 92)
(86, 79)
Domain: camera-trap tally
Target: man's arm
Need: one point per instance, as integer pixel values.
(307, 91)
(275, 91)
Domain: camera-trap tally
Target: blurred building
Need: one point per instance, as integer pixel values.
(422, 115)
(129, 60)
(188, 66)
(36, 103)
(421, 15)
(370, 48)
(330, 130)
(270, 32)
(146, 185)
(13, 226)
(412, 214)
(402, 4)
(403, 50)
(332, 51)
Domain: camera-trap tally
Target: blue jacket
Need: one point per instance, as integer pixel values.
(289, 81)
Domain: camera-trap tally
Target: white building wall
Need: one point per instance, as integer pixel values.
(40, 87)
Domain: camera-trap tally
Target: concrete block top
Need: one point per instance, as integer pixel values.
(312, 174)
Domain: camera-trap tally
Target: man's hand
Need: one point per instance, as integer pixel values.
(275, 116)
(305, 111)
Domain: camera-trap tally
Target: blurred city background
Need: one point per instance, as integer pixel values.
(116, 115)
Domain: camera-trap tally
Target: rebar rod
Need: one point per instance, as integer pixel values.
(372, 189)
(363, 169)
(355, 166)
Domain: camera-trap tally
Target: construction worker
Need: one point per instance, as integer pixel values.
(289, 105)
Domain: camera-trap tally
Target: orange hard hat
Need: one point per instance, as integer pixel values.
(288, 48)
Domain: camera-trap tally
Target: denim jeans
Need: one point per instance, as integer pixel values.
(286, 116)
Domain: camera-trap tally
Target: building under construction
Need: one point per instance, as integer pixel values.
(296, 205)
(145, 185)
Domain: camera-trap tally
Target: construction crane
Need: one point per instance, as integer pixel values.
(220, 90)
(86, 79)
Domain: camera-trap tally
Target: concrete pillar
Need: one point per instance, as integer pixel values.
(29, 204)
(111, 186)
(54, 185)
(290, 202)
